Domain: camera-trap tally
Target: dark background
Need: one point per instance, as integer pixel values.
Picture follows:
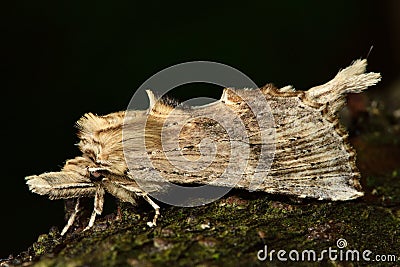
(60, 59)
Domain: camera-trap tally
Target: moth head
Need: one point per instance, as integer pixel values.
(101, 141)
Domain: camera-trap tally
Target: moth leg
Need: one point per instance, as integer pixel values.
(98, 206)
(155, 207)
(124, 194)
(71, 218)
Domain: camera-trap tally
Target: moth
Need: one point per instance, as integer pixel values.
(312, 155)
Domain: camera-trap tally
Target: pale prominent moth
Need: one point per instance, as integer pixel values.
(313, 157)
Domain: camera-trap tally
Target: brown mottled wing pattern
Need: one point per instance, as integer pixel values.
(313, 157)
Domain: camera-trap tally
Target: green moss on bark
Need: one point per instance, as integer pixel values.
(228, 232)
